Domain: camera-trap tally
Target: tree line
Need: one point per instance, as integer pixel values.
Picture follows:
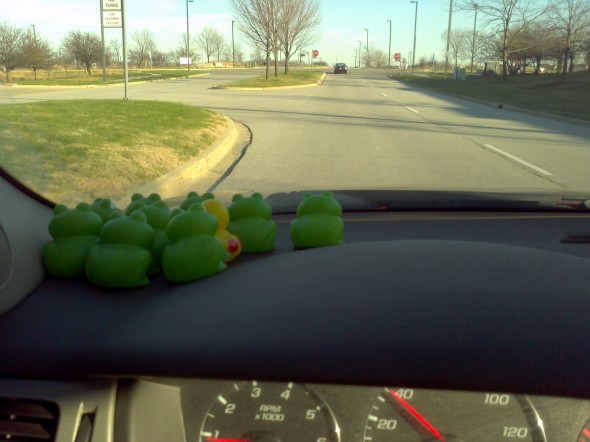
(525, 33)
(521, 34)
(270, 26)
(278, 26)
(22, 48)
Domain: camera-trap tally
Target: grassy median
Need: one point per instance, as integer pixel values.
(298, 77)
(74, 151)
(544, 93)
(81, 78)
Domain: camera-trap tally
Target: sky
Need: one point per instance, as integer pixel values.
(343, 23)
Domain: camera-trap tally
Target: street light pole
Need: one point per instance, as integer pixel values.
(448, 42)
(359, 42)
(188, 39)
(355, 55)
(367, 63)
(473, 42)
(415, 23)
(233, 46)
(389, 56)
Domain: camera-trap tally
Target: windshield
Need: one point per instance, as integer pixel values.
(437, 100)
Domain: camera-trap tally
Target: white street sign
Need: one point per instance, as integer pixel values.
(112, 19)
(111, 5)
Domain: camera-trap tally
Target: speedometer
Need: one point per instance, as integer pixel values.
(408, 415)
(269, 412)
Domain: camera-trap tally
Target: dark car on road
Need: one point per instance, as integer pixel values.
(340, 68)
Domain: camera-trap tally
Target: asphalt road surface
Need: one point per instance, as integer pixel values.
(363, 130)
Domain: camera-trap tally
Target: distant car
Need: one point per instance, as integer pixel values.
(340, 68)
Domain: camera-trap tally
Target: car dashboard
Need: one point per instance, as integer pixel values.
(425, 325)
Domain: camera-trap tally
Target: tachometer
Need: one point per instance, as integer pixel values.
(269, 412)
(408, 415)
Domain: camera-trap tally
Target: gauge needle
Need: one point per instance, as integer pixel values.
(425, 424)
(217, 439)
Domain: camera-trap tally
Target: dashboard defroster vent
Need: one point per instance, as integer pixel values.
(26, 420)
(575, 238)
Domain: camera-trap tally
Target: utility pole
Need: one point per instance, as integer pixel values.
(389, 56)
(359, 42)
(233, 46)
(188, 39)
(448, 42)
(367, 48)
(473, 42)
(415, 23)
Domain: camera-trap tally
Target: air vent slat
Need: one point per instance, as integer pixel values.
(23, 430)
(28, 420)
(26, 410)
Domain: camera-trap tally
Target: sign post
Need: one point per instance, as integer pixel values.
(112, 15)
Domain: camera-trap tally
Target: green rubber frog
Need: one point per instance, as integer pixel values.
(318, 223)
(74, 232)
(250, 220)
(194, 197)
(158, 215)
(123, 258)
(194, 252)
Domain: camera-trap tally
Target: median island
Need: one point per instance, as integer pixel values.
(77, 150)
(295, 78)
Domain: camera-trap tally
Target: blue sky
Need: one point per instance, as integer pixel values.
(343, 23)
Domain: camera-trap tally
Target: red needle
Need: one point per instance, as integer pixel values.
(418, 417)
(217, 439)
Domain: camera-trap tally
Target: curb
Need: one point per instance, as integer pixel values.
(91, 86)
(276, 88)
(168, 185)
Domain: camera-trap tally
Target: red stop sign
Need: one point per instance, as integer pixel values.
(396, 56)
(315, 53)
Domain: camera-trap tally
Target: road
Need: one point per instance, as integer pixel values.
(363, 130)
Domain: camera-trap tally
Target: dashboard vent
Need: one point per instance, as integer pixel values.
(26, 420)
(575, 238)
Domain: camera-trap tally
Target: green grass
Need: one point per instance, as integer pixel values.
(543, 93)
(294, 78)
(78, 150)
(80, 78)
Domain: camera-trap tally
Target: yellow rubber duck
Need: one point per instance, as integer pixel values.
(231, 242)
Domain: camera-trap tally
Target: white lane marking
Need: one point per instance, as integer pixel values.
(385, 95)
(413, 110)
(523, 162)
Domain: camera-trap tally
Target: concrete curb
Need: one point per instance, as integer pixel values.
(169, 185)
(277, 88)
(507, 107)
(92, 86)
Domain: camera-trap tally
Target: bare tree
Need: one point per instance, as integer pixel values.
(508, 18)
(218, 45)
(379, 58)
(239, 53)
(206, 41)
(145, 45)
(37, 53)
(299, 22)
(571, 19)
(63, 58)
(85, 48)
(114, 50)
(12, 40)
(459, 42)
(257, 21)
